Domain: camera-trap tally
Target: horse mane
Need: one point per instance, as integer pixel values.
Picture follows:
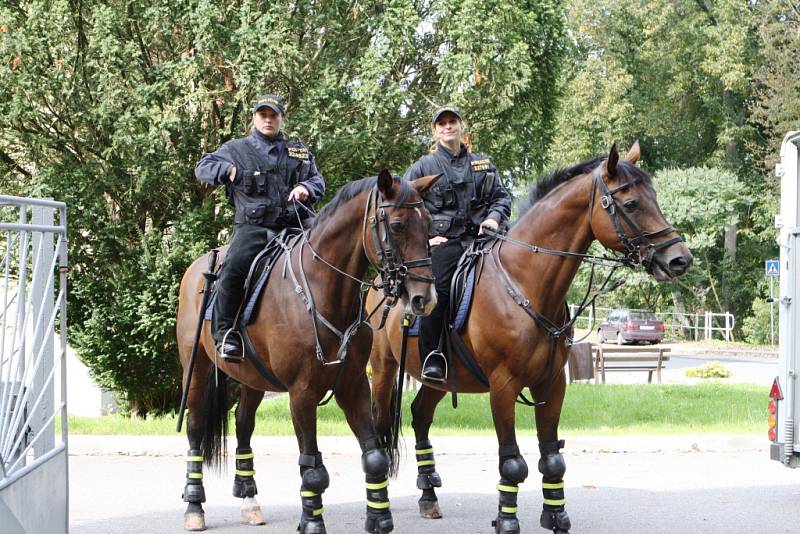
(545, 184)
(352, 190)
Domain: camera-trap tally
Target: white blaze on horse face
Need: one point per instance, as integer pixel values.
(418, 212)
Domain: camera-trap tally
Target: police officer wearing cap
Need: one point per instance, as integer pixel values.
(467, 199)
(264, 174)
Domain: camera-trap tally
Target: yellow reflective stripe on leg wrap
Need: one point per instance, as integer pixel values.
(378, 505)
(194, 458)
(306, 493)
(246, 456)
(508, 509)
(555, 502)
(556, 485)
(425, 462)
(509, 489)
(194, 475)
(245, 473)
(318, 511)
(424, 451)
(379, 485)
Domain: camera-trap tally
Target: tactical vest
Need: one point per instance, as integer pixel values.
(459, 201)
(260, 189)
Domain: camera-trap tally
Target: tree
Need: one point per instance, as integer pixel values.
(108, 106)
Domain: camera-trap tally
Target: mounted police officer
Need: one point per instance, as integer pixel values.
(263, 174)
(467, 199)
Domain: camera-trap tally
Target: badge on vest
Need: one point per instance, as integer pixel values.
(298, 152)
(481, 165)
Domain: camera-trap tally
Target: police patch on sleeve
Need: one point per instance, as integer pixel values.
(481, 165)
(298, 152)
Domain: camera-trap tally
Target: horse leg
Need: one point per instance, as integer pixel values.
(244, 484)
(353, 397)
(193, 493)
(422, 409)
(512, 466)
(384, 374)
(551, 463)
(315, 479)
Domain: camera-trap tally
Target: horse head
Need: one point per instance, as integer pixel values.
(399, 225)
(625, 216)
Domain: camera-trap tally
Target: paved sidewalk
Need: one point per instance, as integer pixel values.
(619, 485)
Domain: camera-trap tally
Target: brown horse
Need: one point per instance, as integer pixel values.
(518, 325)
(311, 305)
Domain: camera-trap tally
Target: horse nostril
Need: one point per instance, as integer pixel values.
(679, 265)
(418, 303)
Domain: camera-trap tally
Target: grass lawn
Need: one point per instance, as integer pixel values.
(713, 408)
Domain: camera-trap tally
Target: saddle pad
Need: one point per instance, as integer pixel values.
(251, 301)
(463, 307)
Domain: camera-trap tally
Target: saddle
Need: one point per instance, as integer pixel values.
(258, 275)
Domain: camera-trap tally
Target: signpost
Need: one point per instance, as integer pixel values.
(772, 271)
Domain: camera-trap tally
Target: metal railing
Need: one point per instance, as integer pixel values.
(691, 326)
(33, 342)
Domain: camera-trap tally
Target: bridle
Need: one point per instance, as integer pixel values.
(393, 269)
(639, 248)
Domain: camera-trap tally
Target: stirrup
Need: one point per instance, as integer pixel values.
(228, 357)
(435, 354)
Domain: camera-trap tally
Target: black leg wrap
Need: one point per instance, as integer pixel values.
(552, 467)
(244, 485)
(315, 481)
(427, 477)
(375, 463)
(193, 492)
(507, 522)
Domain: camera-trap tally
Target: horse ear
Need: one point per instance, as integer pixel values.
(611, 161)
(424, 184)
(634, 153)
(386, 184)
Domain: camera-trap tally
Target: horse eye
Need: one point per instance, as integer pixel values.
(631, 204)
(397, 227)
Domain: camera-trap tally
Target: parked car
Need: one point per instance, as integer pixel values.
(631, 326)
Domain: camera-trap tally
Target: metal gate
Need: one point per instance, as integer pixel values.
(33, 341)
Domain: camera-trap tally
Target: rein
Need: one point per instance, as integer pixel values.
(393, 271)
(632, 246)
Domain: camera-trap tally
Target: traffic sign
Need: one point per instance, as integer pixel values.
(771, 268)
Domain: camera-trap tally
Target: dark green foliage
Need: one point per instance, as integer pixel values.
(107, 106)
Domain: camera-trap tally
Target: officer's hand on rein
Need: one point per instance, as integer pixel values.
(489, 224)
(438, 240)
(299, 193)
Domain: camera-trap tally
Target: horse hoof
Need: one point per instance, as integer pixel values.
(506, 525)
(430, 509)
(253, 516)
(194, 521)
(311, 527)
(379, 523)
(557, 521)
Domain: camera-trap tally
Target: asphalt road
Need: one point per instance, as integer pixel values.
(718, 484)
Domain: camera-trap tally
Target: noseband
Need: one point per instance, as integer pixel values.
(393, 270)
(639, 248)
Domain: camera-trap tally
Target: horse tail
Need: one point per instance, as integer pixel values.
(215, 415)
(391, 433)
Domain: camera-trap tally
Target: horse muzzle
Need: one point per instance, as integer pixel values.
(671, 262)
(421, 302)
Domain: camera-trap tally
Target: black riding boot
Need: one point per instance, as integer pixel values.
(432, 360)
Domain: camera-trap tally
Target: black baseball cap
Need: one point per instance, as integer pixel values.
(438, 112)
(273, 102)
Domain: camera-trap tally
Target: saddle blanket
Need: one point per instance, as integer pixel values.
(463, 307)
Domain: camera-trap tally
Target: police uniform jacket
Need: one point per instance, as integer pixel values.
(266, 171)
(469, 192)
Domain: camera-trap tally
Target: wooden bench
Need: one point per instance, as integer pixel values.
(626, 359)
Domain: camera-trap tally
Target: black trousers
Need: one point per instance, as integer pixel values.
(444, 258)
(247, 241)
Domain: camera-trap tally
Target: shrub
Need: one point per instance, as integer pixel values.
(709, 370)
